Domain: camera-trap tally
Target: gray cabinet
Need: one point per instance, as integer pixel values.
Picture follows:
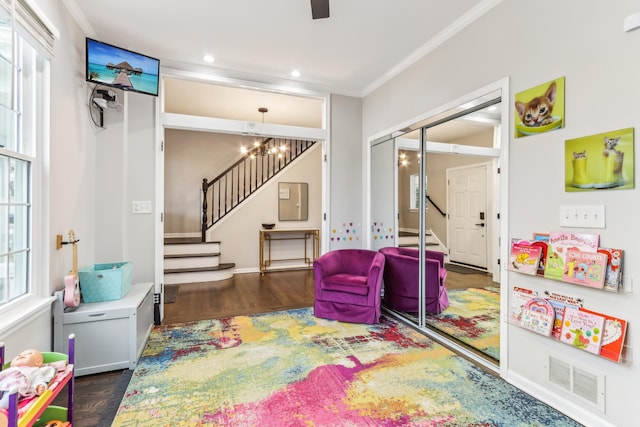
(110, 335)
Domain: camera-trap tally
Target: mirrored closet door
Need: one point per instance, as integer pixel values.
(434, 209)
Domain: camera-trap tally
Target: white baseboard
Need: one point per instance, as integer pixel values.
(247, 270)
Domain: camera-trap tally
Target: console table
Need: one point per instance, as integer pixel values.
(310, 238)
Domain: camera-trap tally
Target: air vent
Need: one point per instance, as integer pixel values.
(560, 373)
(585, 385)
(577, 381)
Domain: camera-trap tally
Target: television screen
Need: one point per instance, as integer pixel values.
(116, 67)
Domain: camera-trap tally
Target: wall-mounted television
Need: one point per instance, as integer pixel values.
(113, 66)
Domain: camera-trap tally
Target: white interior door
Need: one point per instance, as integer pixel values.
(467, 221)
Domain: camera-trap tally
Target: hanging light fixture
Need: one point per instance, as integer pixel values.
(261, 147)
(402, 159)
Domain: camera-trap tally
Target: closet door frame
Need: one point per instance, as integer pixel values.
(492, 94)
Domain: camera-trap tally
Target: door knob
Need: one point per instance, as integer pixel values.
(481, 224)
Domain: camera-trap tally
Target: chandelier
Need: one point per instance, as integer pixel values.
(403, 159)
(262, 148)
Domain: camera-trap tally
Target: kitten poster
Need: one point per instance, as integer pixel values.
(600, 162)
(540, 109)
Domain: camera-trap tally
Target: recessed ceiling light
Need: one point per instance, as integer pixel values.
(208, 58)
(295, 73)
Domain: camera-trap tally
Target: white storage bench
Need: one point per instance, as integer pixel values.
(110, 335)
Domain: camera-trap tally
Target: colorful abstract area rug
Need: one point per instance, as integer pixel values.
(473, 317)
(292, 369)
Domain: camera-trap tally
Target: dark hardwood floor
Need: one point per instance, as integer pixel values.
(241, 295)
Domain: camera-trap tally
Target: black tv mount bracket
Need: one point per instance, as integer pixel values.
(106, 96)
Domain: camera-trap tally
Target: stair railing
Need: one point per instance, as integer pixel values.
(229, 189)
(443, 213)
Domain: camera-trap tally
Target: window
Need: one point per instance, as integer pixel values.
(414, 191)
(24, 95)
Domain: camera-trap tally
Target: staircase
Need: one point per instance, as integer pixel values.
(410, 239)
(188, 260)
(193, 260)
(239, 181)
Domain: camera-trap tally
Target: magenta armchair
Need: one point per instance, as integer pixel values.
(401, 280)
(348, 285)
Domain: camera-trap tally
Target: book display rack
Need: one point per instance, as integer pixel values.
(575, 259)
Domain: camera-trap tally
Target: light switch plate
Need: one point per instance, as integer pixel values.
(141, 207)
(582, 216)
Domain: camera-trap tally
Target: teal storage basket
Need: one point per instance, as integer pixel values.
(105, 282)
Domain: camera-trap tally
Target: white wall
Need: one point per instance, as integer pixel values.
(125, 172)
(346, 174)
(95, 173)
(190, 156)
(587, 45)
(72, 148)
(142, 149)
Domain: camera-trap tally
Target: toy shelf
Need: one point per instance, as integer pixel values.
(39, 411)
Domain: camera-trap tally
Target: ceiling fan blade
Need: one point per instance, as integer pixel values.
(319, 9)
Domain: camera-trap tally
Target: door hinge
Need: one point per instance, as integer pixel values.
(498, 261)
(498, 170)
(324, 216)
(161, 145)
(325, 157)
(161, 216)
(498, 216)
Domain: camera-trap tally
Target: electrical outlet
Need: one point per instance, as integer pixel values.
(141, 207)
(583, 216)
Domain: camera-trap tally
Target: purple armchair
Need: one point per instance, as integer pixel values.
(348, 285)
(401, 280)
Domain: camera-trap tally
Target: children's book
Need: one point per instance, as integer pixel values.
(538, 316)
(613, 336)
(582, 330)
(559, 243)
(613, 277)
(585, 268)
(519, 298)
(559, 303)
(524, 258)
(542, 240)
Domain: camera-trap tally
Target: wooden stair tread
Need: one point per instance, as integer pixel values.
(224, 266)
(412, 234)
(193, 255)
